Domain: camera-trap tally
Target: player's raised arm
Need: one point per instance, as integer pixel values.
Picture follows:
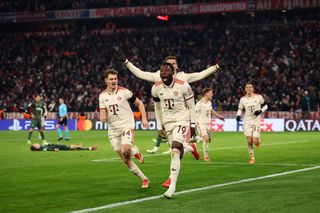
(197, 76)
(147, 76)
(142, 110)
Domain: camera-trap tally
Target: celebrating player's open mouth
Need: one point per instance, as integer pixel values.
(166, 73)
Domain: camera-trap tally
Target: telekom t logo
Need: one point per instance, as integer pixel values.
(169, 103)
(114, 108)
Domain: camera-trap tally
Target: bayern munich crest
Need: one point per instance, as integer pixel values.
(175, 93)
(119, 98)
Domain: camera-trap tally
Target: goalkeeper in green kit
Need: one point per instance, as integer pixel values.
(37, 110)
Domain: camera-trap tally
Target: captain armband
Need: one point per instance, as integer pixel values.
(132, 99)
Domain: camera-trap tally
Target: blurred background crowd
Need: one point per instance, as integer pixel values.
(278, 52)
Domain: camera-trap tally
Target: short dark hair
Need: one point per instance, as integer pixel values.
(205, 90)
(250, 82)
(168, 64)
(32, 148)
(110, 72)
(170, 57)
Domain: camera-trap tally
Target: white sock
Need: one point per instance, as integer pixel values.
(134, 150)
(251, 152)
(187, 148)
(135, 170)
(205, 149)
(199, 139)
(174, 168)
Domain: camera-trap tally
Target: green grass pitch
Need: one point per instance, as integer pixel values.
(67, 181)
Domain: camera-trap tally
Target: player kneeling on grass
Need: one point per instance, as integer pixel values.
(253, 105)
(175, 109)
(114, 104)
(59, 147)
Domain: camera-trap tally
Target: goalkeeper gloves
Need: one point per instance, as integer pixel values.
(258, 112)
(238, 118)
(119, 56)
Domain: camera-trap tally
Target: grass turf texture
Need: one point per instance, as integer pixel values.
(73, 180)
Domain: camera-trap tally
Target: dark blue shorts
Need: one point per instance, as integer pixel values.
(64, 121)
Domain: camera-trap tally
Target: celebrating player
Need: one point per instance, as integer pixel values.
(253, 105)
(155, 77)
(174, 106)
(204, 112)
(114, 104)
(63, 120)
(37, 110)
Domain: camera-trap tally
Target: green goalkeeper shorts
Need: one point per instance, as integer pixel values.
(36, 122)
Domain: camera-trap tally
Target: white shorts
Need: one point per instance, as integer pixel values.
(117, 139)
(251, 131)
(204, 129)
(178, 131)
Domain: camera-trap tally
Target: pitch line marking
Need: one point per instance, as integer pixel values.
(119, 204)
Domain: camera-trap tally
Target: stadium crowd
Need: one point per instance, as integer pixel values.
(282, 59)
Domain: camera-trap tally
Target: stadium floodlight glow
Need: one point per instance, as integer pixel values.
(163, 18)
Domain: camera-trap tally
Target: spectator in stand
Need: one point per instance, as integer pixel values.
(305, 105)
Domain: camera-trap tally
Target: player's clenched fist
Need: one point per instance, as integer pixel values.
(119, 56)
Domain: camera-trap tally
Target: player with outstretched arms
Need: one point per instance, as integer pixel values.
(155, 77)
(253, 105)
(204, 113)
(175, 107)
(114, 104)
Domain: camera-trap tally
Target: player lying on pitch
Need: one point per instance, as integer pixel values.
(58, 147)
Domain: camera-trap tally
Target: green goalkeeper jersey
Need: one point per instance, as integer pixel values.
(38, 109)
